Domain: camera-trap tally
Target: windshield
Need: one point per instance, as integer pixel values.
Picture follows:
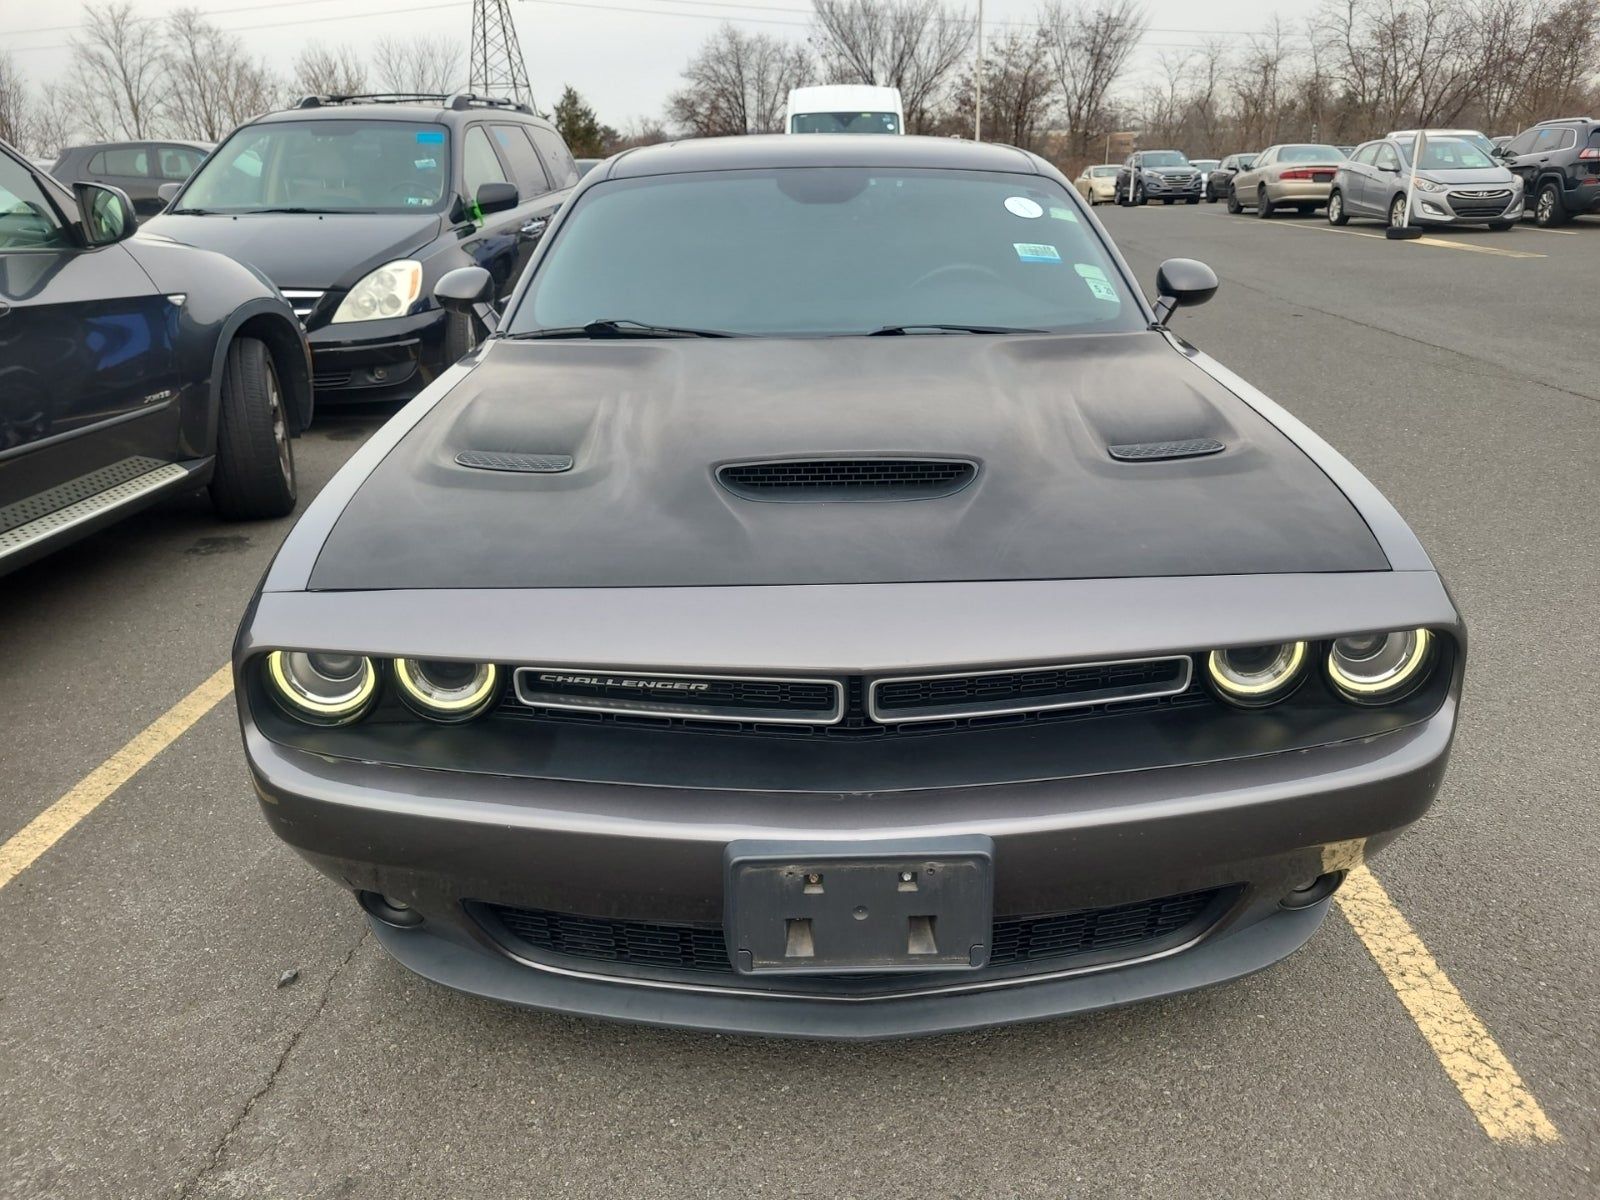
(1449, 154)
(1103, 172)
(325, 166)
(1205, 164)
(1246, 161)
(838, 250)
(1163, 158)
(844, 122)
(1309, 154)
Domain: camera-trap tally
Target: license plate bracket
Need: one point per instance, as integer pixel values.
(844, 908)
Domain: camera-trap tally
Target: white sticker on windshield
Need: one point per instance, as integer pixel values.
(1064, 214)
(1102, 290)
(1021, 206)
(1034, 252)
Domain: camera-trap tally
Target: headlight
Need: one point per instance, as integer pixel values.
(1256, 675)
(446, 691)
(1376, 668)
(1428, 185)
(322, 688)
(387, 292)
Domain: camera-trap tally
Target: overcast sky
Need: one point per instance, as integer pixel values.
(623, 55)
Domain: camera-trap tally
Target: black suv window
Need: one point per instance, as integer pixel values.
(121, 160)
(1522, 143)
(479, 164)
(1554, 138)
(563, 171)
(518, 150)
(27, 220)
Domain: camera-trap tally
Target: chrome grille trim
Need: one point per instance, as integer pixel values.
(302, 300)
(525, 683)
(1184, 677)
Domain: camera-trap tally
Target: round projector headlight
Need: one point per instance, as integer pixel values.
(322, 688)
(446, 691)
(1256, 675)
(1377, 668)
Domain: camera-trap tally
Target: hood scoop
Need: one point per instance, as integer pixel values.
(523, 464)
(832, 480)
(1159, 451)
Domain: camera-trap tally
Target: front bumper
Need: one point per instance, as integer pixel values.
(378, 361)
(445, 841)
(1159, 189)
(1454, 208)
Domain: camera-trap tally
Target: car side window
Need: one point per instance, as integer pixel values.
(1387, 159)
(28, 221)
(176, 162)
(121, 160)
(1367, 155)
(557, 158)
(479, 164)
(1522, 143)
(1267, 156)
(531, 179)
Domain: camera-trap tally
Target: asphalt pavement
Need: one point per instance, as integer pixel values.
(147, 1047)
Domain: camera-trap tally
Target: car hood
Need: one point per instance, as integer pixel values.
(647, 424)
(303, 250)
(1466, 177)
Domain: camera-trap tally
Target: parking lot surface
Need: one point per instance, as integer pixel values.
(148, 1049)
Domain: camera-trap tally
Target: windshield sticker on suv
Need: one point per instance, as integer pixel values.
(1021, 206)
(1064, 214)
(1035, 252)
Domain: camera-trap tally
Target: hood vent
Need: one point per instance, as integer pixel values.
(525, 464)
(1157, 451)
(822, 480)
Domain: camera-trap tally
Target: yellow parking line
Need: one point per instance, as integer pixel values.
(1503, 253)
(1475, 1063)
(1557, 232)
(55, 822)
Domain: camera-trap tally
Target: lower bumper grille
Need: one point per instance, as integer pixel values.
(1049, 942)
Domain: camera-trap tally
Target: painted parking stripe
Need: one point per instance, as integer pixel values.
(55, 822)
(1469, 1054)
(1421, 241)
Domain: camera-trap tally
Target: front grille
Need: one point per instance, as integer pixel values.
(1480, 204)
(700, 697)
(832, 479)
(1051, 940)
(857, 723)
(934, 697)
(331, 379)
(303, 301)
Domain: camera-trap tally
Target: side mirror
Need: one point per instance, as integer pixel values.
(1180, 283)
(169, 192)
(105, 213)
(468, 290)
(496, 197)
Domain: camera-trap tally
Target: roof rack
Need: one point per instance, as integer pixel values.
(456, 102)
(1565, 120)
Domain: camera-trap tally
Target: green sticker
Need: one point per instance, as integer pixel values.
(1089, 271)
(1064, 214)
(1103, 290)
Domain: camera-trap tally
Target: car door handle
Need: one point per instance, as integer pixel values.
(534, 227)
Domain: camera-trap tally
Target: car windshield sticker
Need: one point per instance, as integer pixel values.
(1063, 214)
(1021, 206)
(1034, 252)
(1089, 271)
(434, 137)
(1097, 281)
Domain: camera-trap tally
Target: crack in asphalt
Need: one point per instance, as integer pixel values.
(221, 1148)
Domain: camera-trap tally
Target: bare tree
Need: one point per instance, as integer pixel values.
(329, 71)
(15, 110)
(53, 121)
(738, 83)
(121, 64)
(918, 46)
(215, 85)
(419, 64)
(1019, 94)
(1089, 47)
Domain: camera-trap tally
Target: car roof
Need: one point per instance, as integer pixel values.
(428, 111)
(836, 150)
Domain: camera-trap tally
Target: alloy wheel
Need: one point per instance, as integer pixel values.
(280, 426)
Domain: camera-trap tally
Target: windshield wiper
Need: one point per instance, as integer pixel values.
(621, 327)
(256, 211)
(193, 212)
(891, 330)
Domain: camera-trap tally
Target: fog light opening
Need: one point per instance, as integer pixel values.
(1315, 892)
(388, 910)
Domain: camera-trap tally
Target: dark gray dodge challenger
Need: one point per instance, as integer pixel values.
(833, 604)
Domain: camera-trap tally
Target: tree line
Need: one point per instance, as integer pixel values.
(1060, 84)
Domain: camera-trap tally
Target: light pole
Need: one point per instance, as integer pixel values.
(977, 105)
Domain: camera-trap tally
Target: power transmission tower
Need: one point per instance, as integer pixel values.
(497, 65)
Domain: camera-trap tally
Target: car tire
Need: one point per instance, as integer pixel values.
(460, 337)
(1336, 212)
(1211, 195)
(1264, 207)
(254, 475)
(1139, 198)
(1397, 212)
(1550, 209)
(1234, 206)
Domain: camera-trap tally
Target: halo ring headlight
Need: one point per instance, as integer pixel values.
(446, 691)
(1378, 668)
(322, 687)
(1254, 676)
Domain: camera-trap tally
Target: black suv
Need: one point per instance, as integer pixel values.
(356, 205)
(140, 169)
(1559, 162)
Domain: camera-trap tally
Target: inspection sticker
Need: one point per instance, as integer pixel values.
(1035, 252)
(1089, 271)
(1064, 214)
(433, 137)
(1021, 206)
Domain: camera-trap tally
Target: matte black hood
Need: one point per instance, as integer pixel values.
(304, 250)
(647, 423)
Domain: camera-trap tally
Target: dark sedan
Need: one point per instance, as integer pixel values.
(141, 169)
(132, 369)
(355, 206)
(1220, 181)
(931, 641)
